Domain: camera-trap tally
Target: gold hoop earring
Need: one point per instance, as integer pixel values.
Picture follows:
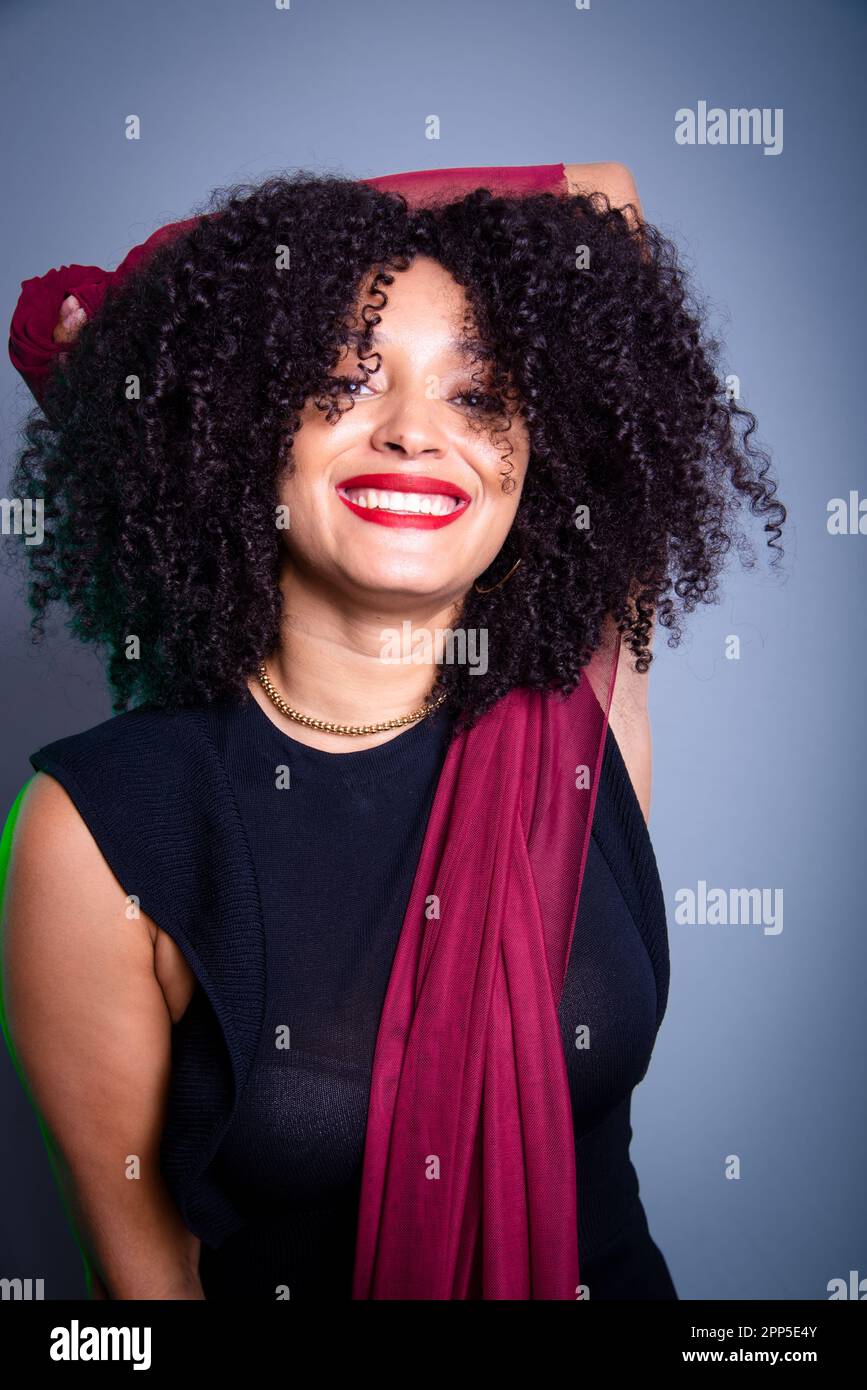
(499, 581)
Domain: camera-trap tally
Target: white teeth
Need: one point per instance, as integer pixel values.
(428, 503)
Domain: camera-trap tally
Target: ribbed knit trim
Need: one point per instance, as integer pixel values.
(355, 767)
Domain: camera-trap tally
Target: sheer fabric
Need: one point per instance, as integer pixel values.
(469, 1181)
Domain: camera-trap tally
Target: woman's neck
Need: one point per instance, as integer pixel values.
(350, 663)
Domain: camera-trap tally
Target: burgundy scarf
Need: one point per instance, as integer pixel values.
(469, 1181)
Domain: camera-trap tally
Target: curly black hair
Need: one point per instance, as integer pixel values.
(163, 436)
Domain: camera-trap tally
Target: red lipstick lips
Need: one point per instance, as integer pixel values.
(404, 482)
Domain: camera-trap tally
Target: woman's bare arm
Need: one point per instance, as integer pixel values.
(91, 1031)
(613, 179)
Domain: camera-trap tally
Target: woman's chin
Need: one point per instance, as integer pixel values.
(388, 586)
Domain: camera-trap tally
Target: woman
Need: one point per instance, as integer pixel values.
(372, 1020)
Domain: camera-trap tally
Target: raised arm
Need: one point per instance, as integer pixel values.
(613, 179)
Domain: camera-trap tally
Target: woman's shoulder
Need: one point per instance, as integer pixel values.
(148, 785)
(151, 732)
(148, 791)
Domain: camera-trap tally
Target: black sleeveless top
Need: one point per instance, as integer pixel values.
(284, 872)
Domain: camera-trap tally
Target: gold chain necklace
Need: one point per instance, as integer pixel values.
(357, 730)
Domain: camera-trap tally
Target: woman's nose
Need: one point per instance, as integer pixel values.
(411, 430)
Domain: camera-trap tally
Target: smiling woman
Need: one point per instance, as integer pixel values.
(374, 1019)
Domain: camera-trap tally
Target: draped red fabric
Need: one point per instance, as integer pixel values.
(422, 186)
(33, 351)
(469, 1180)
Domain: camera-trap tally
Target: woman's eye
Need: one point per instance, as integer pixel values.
(480, 403)
(349, 381)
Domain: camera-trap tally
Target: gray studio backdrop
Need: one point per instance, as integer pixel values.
(749, 1128)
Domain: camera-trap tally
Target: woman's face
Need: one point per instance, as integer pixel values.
(410, 432)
